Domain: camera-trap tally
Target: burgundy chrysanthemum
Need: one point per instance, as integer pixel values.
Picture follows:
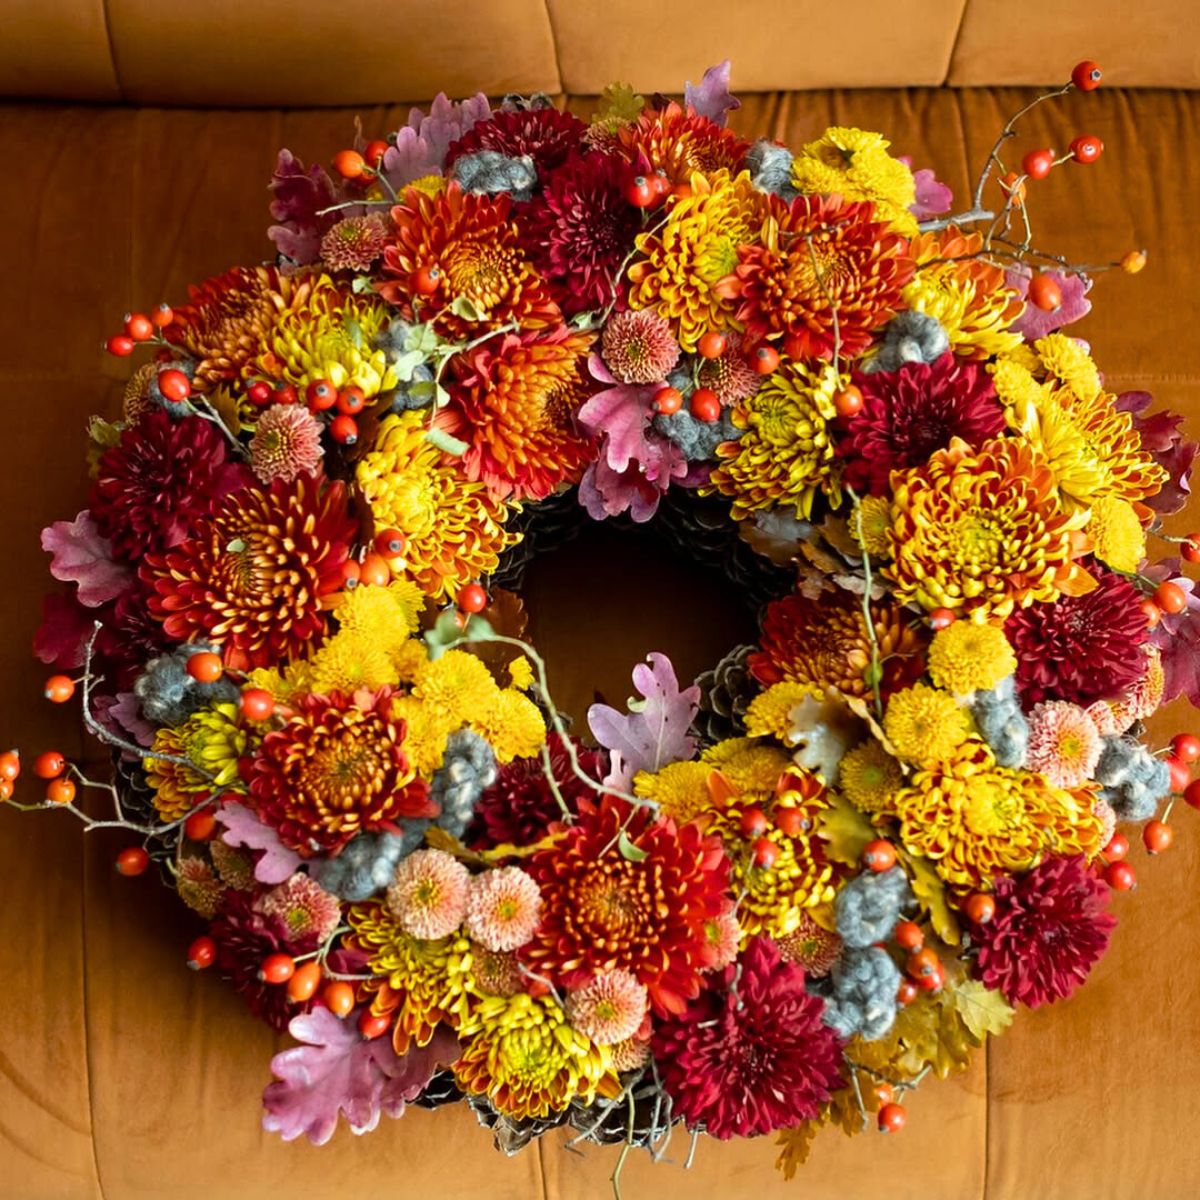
(545, 134)
(158, 479)
(1080, 648)
(910, 413)
(1051, 927)
(519, 807)
(747, 1060)
(579, 230)
(244, 938)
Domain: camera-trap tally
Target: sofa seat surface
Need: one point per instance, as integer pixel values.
(125, 1077)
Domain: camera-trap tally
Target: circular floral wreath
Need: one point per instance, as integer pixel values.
(766, 902)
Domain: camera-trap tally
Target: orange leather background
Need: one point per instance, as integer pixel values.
(298, 53)
(125, 1077)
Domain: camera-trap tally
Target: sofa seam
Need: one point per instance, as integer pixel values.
(962, 21)
(112, 53)
(561, 86)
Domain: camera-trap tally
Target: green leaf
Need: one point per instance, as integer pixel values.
(406, 365)
(422, 337)
(466, 308)
(441, 395)
(447, 442)
(445, 633)
(361, 284)
(583, 320)
(422, 389)
(236, 546)
(983, 1010)
(619, 102)
(479, 629)
(845, 829)
(930, 891)
(629, 850)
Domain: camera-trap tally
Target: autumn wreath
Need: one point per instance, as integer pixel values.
(771, 900)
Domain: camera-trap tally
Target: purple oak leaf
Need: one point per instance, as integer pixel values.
(338, 1072)
(933, 196)
(122, 714)
(243, 828)
(655, 730)
(622, 414)
(297, 196)
(421, 145)
(1035, 322)
(1162, 438)
(636, 490)
(711, 97)
(83, 557)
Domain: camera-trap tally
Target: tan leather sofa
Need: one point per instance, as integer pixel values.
(136, 147)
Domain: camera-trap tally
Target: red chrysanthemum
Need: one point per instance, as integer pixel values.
(513, 401)
(579, 230)
(818, 254)
(602, 911)
(152, 486)
(544, 134)
(252, 576)
(1080, 648)
(910, 413)
(1051, 927)
(227, 319)
(472, 242)
(244, 937)
(336, 769)
(826, 642)
(751, 1054)
(519, 807)
(679, 142)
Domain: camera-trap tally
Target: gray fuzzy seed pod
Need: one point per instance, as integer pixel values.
(868, 907)
(175, 411)
(489, 172)
(1002, 724)
(862, 1001)
(367, 863)
(911, 337)
(168, 695)
(770, 167)
(1132, 779)
(697, 439)
(468, 768)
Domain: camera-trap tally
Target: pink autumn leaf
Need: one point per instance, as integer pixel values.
(64, 631)
(243, 828)
(338, 1072)
(933, 196)
(1162, 438)
(297, 196)
(422, 144)
(81, 556)
(123, 715)
(711, 97)
(1035, 322)
(622, 414)
(655, 730)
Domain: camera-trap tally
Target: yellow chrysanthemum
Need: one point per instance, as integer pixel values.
(751, 766)
(350, 660)
(692, 252)
(524, 1056)
(1118, 538)
(456, 684)
(925, 725)
(869, 524)
(786, 454)
(855, 164)
(984, 531)
(427, 730)
(409, 659)
(388, 614)
(680, 789)
(423, 983)
(976, 820)
(455, 530)
(284, 685)
(870, 777)
(520, 673)
(430, 185)
(212, 738)
(1092, 448)
(968, 657)
(512, 725)
(969, 297)
(770, 713)
(330, 334)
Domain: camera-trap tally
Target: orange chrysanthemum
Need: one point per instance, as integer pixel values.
(514, 403)
(969, 297)
(473, 244)
(680, 142)
(983, 531)
(825, 642)
(818, 255)
(252, 577)
(336, 769)
(604, 911)
(228, 318)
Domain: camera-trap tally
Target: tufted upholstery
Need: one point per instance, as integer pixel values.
(122, 1076)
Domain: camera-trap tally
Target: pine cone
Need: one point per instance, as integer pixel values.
(137, 803)
(512, 1134)
(441, 1089)
(725, 693)
(606, 1122)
